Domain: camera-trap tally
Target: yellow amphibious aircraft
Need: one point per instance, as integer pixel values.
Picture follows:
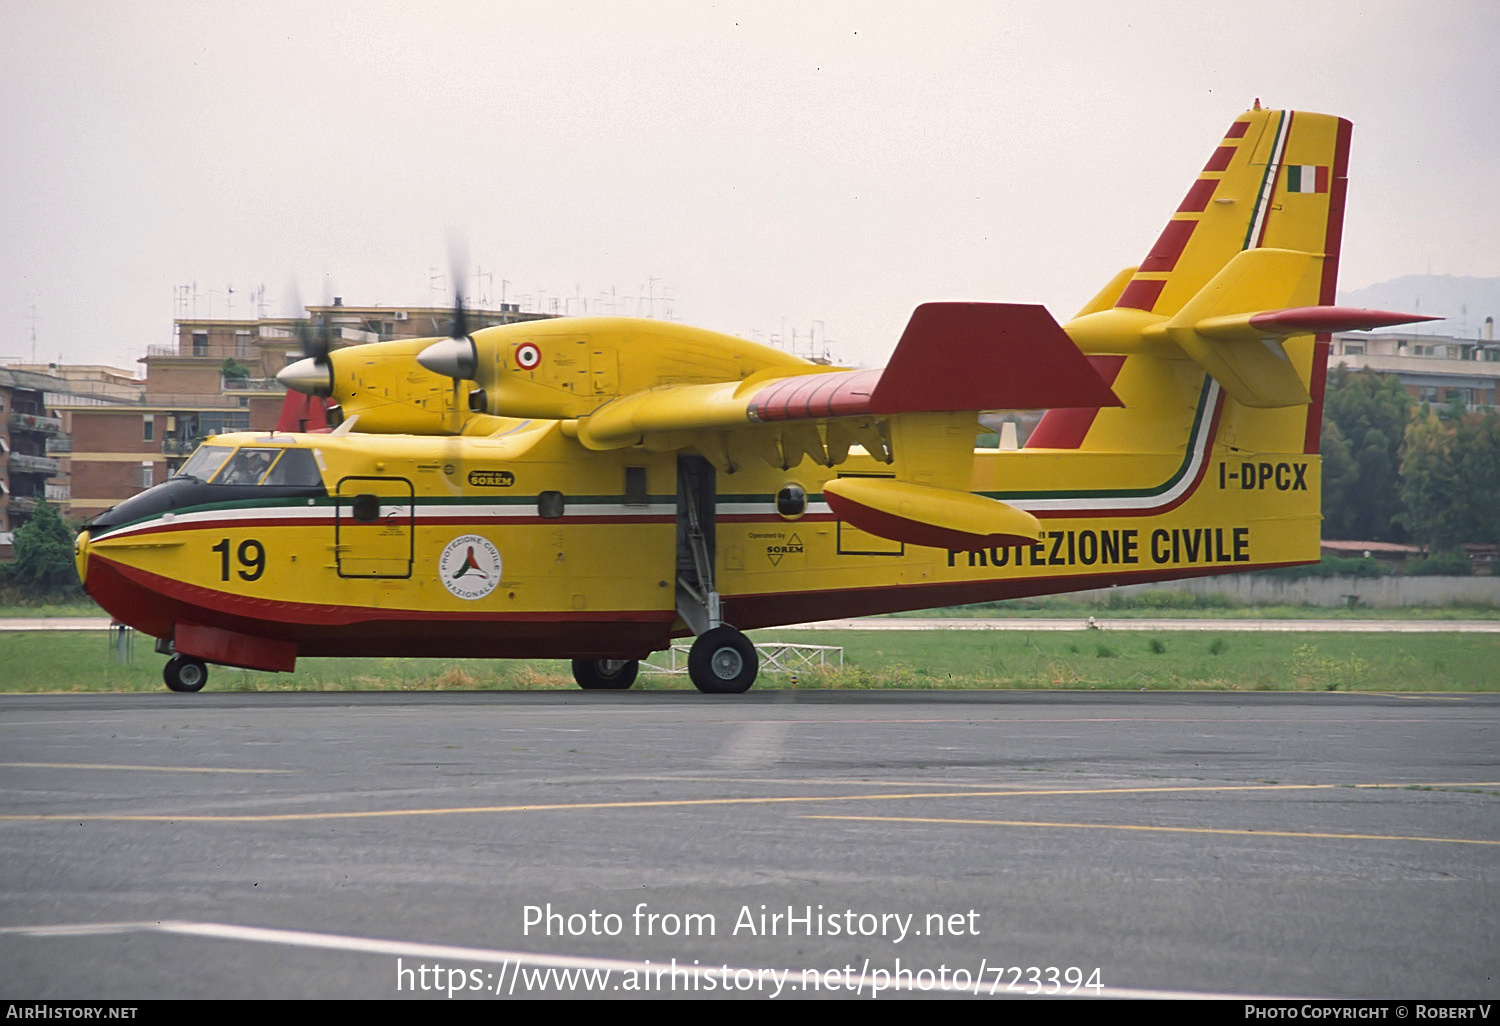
(590, 488)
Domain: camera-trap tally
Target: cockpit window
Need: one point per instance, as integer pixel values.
(248, 466)
(206, 462)
(295, 468)
(267, 466)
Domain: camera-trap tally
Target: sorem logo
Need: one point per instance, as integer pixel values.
(470, 566)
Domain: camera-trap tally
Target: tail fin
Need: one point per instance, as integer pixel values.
(1241, 276)
(1275, 181)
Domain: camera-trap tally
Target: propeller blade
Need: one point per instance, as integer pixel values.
(313, 374)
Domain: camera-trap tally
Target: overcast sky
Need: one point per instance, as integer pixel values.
(763, 165)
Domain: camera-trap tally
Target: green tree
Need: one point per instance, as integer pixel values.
(44, 554)
(1427, 483)
(1476, 474)
(1365, 417)
(1450, 478)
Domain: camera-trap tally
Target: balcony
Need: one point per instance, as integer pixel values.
(192, 352)
(178, 446)
(35, 422)
(24, 463)
(191, 400)
(237, 385)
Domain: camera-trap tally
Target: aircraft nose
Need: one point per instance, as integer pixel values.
(312, 376)
(81, 555)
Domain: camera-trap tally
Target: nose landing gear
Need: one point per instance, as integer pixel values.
(184, 673)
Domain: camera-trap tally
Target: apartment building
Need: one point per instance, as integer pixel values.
(1432, 368)
(217, 375)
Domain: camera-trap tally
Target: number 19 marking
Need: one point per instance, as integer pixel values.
(251, 554)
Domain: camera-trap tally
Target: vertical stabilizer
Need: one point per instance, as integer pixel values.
(1257, 232)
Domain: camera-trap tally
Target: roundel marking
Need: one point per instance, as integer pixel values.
(470, 566)
(528, 356)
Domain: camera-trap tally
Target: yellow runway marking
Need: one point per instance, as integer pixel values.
(1158, 829)
(667, 803)
(144, 769)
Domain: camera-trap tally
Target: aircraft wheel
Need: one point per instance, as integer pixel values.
(723, 662)
(183, 673)
(605, 674)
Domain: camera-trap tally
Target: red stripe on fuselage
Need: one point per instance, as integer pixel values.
(153, 604)
(749, 612)
(1208, 444)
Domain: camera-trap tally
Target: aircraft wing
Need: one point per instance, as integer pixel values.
(953, 357)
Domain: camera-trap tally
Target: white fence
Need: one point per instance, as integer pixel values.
(775, 657)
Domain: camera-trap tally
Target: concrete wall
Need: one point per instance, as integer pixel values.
(1326, 592)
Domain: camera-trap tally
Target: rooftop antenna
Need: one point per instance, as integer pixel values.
(33, 331)
(482, 298)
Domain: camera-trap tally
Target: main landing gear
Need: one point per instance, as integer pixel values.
(184, 673)
(605, 674)
(723, 662)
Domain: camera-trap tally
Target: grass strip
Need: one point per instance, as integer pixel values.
(82, 661)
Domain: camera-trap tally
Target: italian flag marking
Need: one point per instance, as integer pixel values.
(1306, 178)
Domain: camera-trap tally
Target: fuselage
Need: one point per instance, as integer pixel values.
(523, 543)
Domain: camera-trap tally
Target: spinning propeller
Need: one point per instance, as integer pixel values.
(456, 356)
(313, 374)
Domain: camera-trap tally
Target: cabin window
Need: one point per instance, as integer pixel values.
(635, 487)
(365, 508)
(295, 468)
(791, 501)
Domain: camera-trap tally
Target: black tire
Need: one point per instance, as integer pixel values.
(183, 673)
(723, 662)
(605, 674)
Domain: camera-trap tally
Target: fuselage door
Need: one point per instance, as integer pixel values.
(373, 530)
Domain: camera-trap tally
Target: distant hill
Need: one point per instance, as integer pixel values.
(1463, 302)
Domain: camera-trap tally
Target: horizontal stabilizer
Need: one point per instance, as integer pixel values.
(918, 514)
(1301, 320)
(986, 356)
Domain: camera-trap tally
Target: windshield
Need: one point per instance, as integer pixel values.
(253, 465)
